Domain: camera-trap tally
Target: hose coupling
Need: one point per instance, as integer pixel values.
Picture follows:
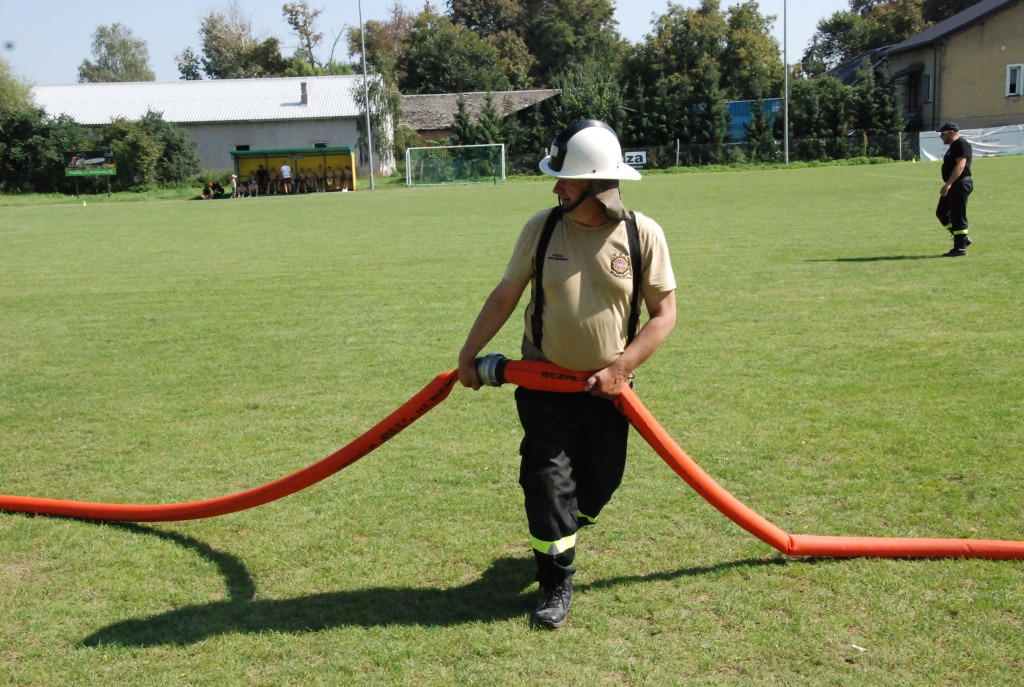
(491, 369)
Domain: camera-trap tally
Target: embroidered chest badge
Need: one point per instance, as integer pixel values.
(620, 265)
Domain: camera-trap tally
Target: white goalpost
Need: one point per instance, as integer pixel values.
(482, 163)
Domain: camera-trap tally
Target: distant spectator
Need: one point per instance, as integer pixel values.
(263, 179)
(234, 186)
(346, 179)
(275, 183)
(213, 190)
(286, 178)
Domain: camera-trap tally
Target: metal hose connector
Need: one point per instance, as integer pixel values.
(491, 369)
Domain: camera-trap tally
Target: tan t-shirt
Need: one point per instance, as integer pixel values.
(588, 282)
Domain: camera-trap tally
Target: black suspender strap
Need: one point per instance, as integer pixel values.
(538, 268)
(637, 267)
(635, 261)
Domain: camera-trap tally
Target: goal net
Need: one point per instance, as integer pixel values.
(470, 164)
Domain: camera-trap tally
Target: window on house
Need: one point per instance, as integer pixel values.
(1014, 79)
(928, 87)
(319, 144)
(241, 147)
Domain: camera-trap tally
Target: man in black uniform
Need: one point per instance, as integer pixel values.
(956, 172)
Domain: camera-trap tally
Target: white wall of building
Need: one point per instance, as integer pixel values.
(216, 141)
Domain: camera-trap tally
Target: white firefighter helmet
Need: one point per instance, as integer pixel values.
(588, 149)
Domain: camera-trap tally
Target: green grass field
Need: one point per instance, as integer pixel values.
(827, 368)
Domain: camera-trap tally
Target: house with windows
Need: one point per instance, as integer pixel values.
(968, 69)
(224, 116)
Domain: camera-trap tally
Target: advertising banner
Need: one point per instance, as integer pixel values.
(90, 163)
(1002, 140)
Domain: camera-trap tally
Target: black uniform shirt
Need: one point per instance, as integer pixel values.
(957, 149)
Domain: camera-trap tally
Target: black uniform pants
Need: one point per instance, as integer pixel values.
(573, 457)
(952, 207)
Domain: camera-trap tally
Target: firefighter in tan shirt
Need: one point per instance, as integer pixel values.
(579, 261)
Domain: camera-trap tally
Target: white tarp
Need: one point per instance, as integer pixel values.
(1002, 140)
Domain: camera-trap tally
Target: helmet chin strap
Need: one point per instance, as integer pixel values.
(569, 208)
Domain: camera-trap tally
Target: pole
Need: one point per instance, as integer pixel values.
(366, 93)
(785, 73)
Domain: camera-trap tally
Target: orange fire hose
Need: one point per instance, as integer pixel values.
(432, 394)
(544, 377)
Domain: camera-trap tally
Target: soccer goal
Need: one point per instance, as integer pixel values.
(472, 164)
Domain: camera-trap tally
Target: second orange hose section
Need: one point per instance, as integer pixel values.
(544, 377)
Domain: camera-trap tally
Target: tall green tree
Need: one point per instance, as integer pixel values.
(178, 161)
(760, 135)
(119, 55)
(32, 145)
(463, 129)
(516, 61)
(709, 118)
(558, 34)
(488, 17)
(302, 19)
(388, 135)
(585, 93)
(442, 57)
(564, 34)
(137, 154)
(230, 50)
(385, 40)
(305, 61)
(934, 11)
(15, 94)
(490, 128)
(666, 77)
(751, 62)
(837, 38)
(864, 115)
(867, 25)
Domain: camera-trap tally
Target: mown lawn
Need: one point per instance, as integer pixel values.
(827, 368)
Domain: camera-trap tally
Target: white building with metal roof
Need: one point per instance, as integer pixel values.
(222, 115)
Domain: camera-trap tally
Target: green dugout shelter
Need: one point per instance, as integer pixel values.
(315, 160)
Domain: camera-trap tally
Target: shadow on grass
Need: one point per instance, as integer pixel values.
(880, 258)
(496, 595)
(499, 594)
(239, 583)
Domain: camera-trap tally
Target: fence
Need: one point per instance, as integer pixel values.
(902, 146)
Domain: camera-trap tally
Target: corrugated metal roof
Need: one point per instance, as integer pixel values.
(216, 100)
(437, 112)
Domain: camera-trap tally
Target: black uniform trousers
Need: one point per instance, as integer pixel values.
(952, 208)
(573, 457)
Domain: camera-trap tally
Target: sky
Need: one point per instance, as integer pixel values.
(45, 42)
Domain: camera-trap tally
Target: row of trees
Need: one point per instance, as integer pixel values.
(478, 45)
(149, 152)
(672, 86)
(870, 24)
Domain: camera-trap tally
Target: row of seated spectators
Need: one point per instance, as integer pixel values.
(304, 180)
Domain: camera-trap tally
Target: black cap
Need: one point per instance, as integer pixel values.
(949, 126)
